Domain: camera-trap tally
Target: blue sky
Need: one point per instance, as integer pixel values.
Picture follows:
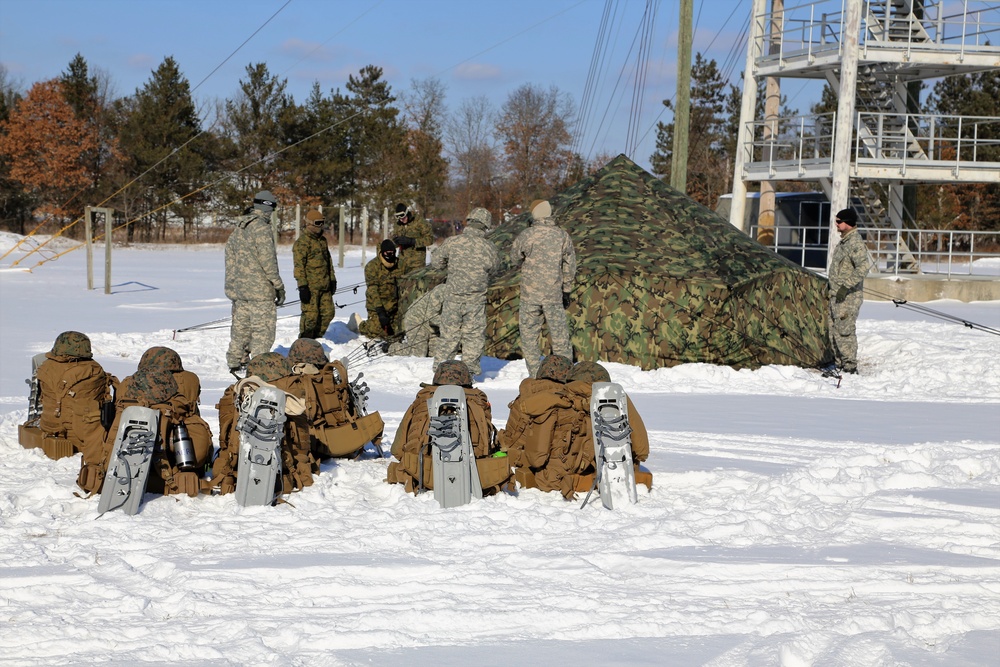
(475, 47)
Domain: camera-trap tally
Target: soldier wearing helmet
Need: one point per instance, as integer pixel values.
(409, 446)
(548, 266)
(253, 283)
(315, 277)
(74, 390)
(471, 262)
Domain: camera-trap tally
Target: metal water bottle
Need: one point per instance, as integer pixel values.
(183, 448)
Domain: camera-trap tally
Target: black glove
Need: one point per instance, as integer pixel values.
(279, 296)
(565, 299)
(383, 318)
(404, 241)
(304, 294)
(333, 285)
(841, 294)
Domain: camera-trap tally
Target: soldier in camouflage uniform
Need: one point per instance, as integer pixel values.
(315, 277)
(74, 389)
(413, 237)
(185, 405)
(548, 266)
(471, 262)
(422, 325)
(381, 293)
(253, 283)
(848, 268)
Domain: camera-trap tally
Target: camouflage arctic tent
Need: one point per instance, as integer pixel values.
(661, 280)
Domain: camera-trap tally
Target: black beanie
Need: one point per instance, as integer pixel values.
(848, 215)
(400, 208)
(387, 246)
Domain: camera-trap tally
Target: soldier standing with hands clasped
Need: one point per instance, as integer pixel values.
(471, 261)
(848, 268)
(548, 266)
(315, 276)
(253, 283)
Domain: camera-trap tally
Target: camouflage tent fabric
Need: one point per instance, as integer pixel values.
(661, 280)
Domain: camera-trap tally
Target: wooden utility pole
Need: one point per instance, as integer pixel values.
(682, 110)
(844, 126)
(772, 107)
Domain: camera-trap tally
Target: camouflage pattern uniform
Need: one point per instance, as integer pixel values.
(471, 262)
(548, 266)
(380, 292)
(415, 228)
(254, 286)
(422, 325)
(314, 270)
(848, 269)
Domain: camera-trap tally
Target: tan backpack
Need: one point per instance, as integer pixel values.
(411, 446)
(336, 427)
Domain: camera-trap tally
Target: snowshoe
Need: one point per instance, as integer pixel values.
(128, 467)
(615, 473)
(261, 427)
(453, 461)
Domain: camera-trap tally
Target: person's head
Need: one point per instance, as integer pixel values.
(404, 214)
(589, 371)
(269, 367)
(479, 218)
(163, 358)
(315, 222)
(540, 209)
(151, 386)
(72, 344)
(387, 251)
(555, 367)
(307, 351)
(264, 202)
(846, 220)
(453, 372)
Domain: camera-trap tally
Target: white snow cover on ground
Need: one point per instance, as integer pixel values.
(790, 523)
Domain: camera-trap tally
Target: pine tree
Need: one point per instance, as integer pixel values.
(427, 170)
(158, 127)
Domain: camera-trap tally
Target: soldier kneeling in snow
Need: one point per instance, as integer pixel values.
(175, 466)
(297, 462)
(74, 392)
(411, 446)
(337, 425)
(558, 442)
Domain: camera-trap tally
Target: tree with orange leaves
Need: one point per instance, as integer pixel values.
(45, 145)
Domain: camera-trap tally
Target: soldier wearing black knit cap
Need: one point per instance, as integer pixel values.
(381, 293)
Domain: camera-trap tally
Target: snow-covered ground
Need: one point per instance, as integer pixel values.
(791, 522)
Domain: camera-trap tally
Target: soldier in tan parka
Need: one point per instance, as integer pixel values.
(411, 445)
(74, 390)
(154, 387)
(336, 426)
(185, 405)
(553, 373)
(297, 462)
(559, 446)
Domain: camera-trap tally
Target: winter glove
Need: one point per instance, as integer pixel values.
(279, 296)
(304, 294)
(404, 241)
(383, 318)
(841, 294)
(565, 299)
(333, 285)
